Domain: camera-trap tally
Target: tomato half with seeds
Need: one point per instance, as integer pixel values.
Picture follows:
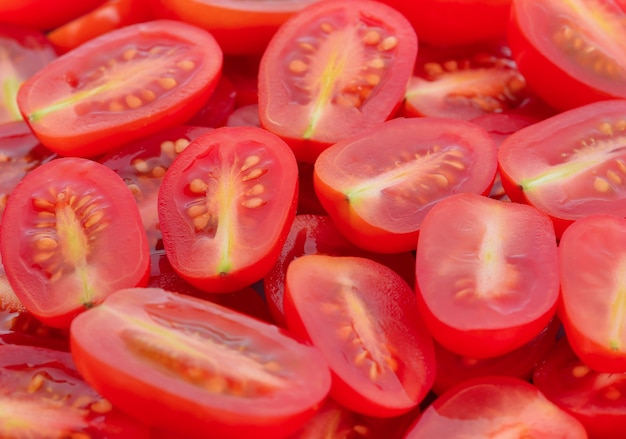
(71, 234)
(121, 86)
(363, 318)
(570, 52)
(378, 197)
(570, 165)
(226, 205)
(189, 366)
(487, 274)
(333, 70)
(43, 395)
(592, 255)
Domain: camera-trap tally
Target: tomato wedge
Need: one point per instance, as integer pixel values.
(378, 197)
(71, 234)
(189, 366)
(226, 205)
(487, 274)
(333, 70)
(121, 86)
(362, 317)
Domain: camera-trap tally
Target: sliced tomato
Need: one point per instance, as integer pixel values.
(216, 110)
(453, 369)
(23, 52)
(378, 197)
(362, 317)
(333, 70)
(240, 26)
(495, 407)
(317, 234)
(570, 52)
(110, 15)
(71, 234)
(487, 274)
(191, 367)
(596, 399)
(43, 14)
(121, 86)
(42, 395)
(570, 165)
(226, 205)
(592, 254)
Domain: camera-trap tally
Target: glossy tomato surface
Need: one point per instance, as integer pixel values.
(333, 70)
(71, 234)
(379, 196)
(42, 14)
(121, 86)
(226, 205)
(570, 165)
(487, 274)
(189, 366)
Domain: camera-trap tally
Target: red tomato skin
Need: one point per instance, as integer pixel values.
(92, 134)
(294, 122)
(44, 15)
(178, 236)
(168, 402)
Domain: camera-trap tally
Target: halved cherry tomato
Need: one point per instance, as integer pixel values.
(333, 70)
(195, 368)
(239, 26)
(378, 196)
(42, 395)
(570, 52)
(110, 15)
(121, 86)
(363, 318)
(592, 255)
(226, 205)
(71, 234)
(43, 14)
(487, 274)
(570, 165)
(495, 407)
(596, 399)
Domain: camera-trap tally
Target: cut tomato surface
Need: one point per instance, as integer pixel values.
(121, 86)
(378, 196)
(487, 274)
(226, 205)
(570, 165)
(191, 367)
(333, 70)
(71, 234)
(362, 317)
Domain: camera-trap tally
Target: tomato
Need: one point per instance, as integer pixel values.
(226, 205)
(592, 253)
(596, 399)
(108, 16)
(495, 407)
(362, 317)
(487, 274)
(42, 395)
(22, 53)
(378, 197)
(218, 107)
(456, 22)
(453, 369)
(571, 53)
(312, 234)
(333, 70)
(191, 367)
(121, 86)
(43, 14)
(243, 71)
(246, 116)
(465, 85)
(240, 26)
(570, 165)
(71, 234)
